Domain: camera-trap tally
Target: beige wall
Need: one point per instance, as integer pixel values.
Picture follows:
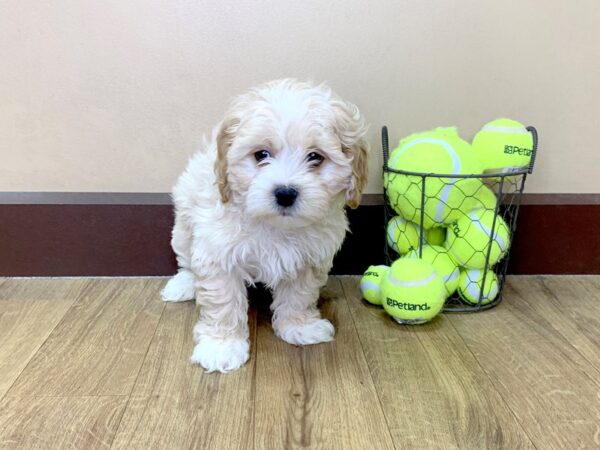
(114, 95)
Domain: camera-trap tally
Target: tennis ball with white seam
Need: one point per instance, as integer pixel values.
(412, 292)
(435, 235)
(438, 151)
(370, 283)
(402, 236)
(468, 239)
(471, 283)
(503, 144)
(442, 262)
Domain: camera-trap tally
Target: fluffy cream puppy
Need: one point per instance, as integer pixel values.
(263, 201)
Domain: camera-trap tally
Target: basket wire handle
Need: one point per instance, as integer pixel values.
(534, 134)
(385, 145)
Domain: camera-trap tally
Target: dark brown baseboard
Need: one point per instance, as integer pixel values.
(556, 239)
(119, 239)
(85, 240)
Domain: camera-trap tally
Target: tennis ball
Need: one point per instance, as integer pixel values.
(444, 265)
(485, 198)
(435, 235)
(503, 144)
(412, 292)
(439, 151)
(468, 239)
(402, 236)
(470, 286)
(370, 283)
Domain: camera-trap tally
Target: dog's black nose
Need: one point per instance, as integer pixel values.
(286, 196)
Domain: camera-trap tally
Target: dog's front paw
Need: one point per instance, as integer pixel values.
(314, 331)
(180, 288)
(222, 355)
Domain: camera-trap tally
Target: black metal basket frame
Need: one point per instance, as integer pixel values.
(513, 200)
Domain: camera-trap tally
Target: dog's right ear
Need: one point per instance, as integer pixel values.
(351, 128)
(224, 139)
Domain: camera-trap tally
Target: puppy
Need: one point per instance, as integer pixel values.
(263, 201)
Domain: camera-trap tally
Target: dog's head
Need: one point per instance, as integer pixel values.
(288, 151)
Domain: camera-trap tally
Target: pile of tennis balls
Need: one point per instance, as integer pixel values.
(457, 218)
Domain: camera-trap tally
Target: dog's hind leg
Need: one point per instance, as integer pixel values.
(296, 318)
(180, 287)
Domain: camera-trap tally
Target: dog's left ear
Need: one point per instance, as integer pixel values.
(351, 129)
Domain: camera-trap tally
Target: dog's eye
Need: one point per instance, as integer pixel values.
(261, 155)
(315, 158)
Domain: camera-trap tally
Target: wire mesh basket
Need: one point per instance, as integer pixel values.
(490, 202)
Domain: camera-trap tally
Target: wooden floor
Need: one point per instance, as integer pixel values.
(99, 363)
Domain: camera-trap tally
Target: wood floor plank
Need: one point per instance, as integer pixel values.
(433, 391)
(29, 311)
(570, 304)
(99, 345)
(177, 405)
(318, 396)
(59, 422)
(543, 379)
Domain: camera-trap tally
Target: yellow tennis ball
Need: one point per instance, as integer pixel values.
(503, 144)
(370, 283)
(412, 292)
(468, 239)
(435, 235)
(485, 198)
(471, 286)
(439, 151)
(402, 236)
(443, 264)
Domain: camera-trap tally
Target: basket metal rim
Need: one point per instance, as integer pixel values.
(523, 171)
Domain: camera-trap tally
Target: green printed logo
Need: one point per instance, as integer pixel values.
(513, 149)
(407, 306)
(455, 229)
